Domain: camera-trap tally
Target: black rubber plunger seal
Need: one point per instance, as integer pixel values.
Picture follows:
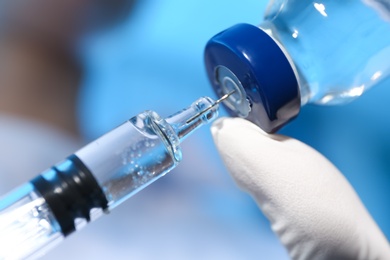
(71, 191)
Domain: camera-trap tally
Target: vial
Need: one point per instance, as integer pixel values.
(322, 52)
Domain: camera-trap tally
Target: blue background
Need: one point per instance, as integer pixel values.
(155, 61)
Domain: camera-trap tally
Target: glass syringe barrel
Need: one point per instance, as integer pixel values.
(95, 179)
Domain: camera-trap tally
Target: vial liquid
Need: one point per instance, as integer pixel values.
(339, 48)
(323, 52)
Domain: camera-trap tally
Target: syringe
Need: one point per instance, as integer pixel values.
(96, 179)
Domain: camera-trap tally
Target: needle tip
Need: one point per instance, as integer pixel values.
(224, 97)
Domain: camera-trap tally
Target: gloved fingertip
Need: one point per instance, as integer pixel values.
(227, 125)
(217, 125)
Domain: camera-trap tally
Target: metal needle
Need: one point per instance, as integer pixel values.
(224, 97)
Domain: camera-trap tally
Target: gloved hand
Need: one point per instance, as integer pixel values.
(311, 206)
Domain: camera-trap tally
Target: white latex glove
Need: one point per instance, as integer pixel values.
(311, 206)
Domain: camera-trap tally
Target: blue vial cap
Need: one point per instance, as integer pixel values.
(245, 59)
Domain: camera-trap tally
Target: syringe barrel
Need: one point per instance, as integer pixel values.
(27, 224)
(132, 156)
(95, 179)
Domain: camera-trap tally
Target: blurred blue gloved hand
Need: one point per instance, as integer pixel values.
(311, 206)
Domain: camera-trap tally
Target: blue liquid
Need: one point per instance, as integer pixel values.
(340, 48)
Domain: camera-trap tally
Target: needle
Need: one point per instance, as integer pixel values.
(224, 97)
